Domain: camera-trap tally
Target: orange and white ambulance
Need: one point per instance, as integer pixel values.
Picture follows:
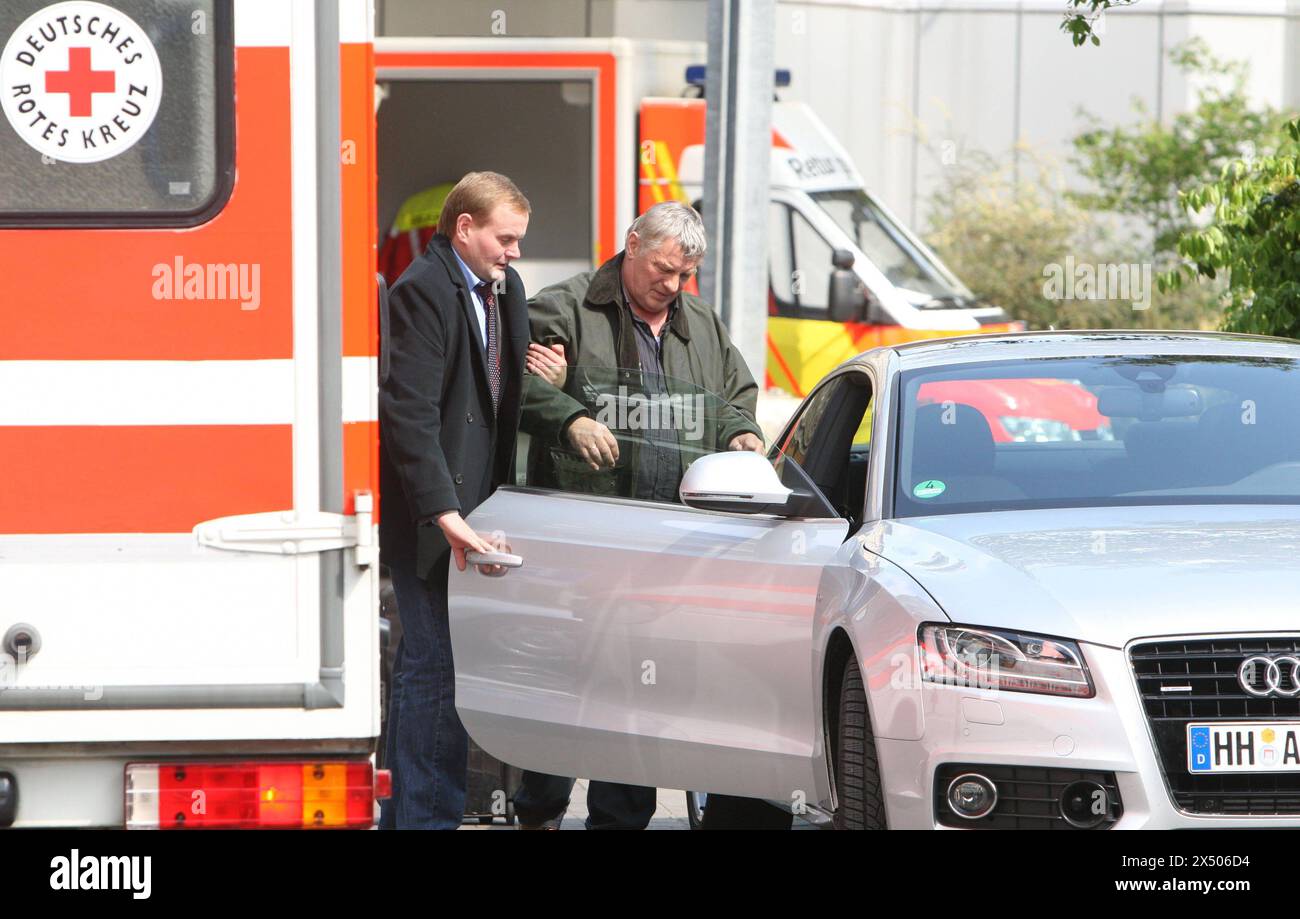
(188, 444)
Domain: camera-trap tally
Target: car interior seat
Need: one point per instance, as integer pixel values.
(1242, 442)
(957, 450)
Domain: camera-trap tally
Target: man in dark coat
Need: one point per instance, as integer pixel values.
(448, 412)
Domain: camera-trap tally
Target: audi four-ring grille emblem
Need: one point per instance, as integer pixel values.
(1270, 676)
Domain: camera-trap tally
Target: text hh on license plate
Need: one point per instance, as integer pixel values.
(1255, 746)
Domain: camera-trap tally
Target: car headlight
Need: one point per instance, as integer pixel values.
(997, 659)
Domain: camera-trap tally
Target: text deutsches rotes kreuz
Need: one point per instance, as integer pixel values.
(82, 81)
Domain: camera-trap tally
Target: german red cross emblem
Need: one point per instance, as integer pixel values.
(81, 81)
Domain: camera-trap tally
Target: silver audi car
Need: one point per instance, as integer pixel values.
(1042, 581)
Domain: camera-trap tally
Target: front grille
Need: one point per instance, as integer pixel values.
(1029, 797)
(1209, 666)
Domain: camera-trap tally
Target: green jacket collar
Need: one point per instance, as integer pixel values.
(606, 290)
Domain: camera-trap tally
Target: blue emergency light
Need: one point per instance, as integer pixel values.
(695, 76)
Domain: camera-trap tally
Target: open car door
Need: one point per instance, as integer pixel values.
(645, 641)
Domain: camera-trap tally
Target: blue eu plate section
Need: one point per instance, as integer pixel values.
(1198, 749)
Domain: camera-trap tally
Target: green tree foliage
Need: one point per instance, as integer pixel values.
(1253, 235)
(1002, 233)
(1251, 242)
(1138, 170)
(1082, 15)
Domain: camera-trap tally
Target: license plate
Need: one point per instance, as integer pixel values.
(1253, 746)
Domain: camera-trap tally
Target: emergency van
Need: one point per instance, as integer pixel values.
(189, 604)
(623, 121)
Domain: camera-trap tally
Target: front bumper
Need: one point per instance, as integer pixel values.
(1107, 733)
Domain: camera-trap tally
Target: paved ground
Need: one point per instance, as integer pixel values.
(670, 813)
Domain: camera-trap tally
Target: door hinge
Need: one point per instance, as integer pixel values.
(294, 533)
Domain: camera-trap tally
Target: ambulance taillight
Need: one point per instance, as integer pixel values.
(253, 795)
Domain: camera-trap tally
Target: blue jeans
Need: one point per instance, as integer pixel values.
(427, 748)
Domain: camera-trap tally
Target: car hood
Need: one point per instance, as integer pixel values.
(1107, 575)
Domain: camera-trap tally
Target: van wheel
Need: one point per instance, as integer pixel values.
(857, 770)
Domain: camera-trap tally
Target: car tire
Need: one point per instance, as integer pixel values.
(861, 803)
(695, 801)
(724, 812)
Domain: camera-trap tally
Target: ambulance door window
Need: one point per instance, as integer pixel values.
(813, 265)
(780, 260)
(117, 115)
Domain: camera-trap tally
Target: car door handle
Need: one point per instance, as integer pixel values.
(504, 559)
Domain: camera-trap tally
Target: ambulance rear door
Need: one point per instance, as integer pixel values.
(187, 365)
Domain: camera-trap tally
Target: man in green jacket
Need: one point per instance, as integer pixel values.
(630, 379)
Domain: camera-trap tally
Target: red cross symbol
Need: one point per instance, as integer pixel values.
(80, 82)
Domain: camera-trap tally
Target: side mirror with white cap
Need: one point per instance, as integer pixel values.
(743, 482)
(739, 481)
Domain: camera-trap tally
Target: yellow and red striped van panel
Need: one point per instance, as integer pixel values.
(802, 351)
(668, 126)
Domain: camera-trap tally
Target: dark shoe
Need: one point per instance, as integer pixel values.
(552, 824)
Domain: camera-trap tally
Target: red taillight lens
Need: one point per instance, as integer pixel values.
(267, 795)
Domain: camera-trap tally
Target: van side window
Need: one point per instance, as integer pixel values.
(812, 256)
(780, 260)
(799, 264)
(115, 116)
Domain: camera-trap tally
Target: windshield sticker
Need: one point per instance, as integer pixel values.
(930, 488)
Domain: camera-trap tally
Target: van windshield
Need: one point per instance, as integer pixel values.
(925, 282)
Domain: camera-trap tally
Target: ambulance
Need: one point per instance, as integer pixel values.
(623, 121)
(189, 604)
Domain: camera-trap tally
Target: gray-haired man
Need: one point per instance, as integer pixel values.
(629, 320)
(631, 314)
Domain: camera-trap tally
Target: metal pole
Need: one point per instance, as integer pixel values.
(737, 153)
(1160, 68)
(1020, 70)
(916, 114)
(1291, 58)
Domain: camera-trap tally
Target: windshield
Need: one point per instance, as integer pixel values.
(1098, 432)
(925, 282)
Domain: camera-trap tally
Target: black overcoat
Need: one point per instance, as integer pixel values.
(442, 447)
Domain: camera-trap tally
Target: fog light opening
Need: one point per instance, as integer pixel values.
(1086, 805)
(972, 796)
